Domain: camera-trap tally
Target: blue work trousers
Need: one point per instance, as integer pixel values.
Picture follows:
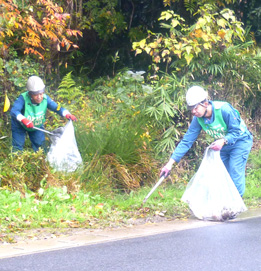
(37, 138)
(235, 158)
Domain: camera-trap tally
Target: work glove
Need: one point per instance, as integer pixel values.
(217, 145)
(27, 123)
(71, 117)
(165, 171)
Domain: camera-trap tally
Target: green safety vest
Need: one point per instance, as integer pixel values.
(34, 112)
(218, 128)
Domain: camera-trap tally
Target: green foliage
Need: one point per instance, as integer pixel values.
(123, 119)
(122, 138)
(160, 104)
(165, 106)
(115, 144)
(103, 18)
(212, 52)
(119, 96)
(232, 74)
(116, 154)
(19, 70)
(56, 208)
(255, 161)
(183, 43)
(28, 169)
(253, 179)
(50, 207)
(69, 93)
(14, 73)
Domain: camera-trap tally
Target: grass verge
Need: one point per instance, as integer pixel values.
(59, 209)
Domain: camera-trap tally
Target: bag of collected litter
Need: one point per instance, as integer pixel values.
(63, 154)
(211, 193)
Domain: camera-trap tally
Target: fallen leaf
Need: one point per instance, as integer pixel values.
(160, 194)
(99, 206)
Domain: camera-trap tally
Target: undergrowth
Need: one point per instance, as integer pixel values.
(116, 138)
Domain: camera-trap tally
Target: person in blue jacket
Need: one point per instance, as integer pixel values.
(29, 111)
(222, 122)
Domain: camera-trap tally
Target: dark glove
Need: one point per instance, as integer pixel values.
(71, 117)
(27, 123)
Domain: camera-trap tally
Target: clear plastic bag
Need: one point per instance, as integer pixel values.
(63, 154)
(211, 193)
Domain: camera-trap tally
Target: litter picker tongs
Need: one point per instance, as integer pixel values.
(45, 131)
(154, 188)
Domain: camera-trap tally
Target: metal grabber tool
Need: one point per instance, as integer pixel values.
(45, 131)
(154, 188)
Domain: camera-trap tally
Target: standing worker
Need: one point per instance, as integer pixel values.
(222, 122)
(29, 111)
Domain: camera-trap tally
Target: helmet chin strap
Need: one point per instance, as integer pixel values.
(205, 110)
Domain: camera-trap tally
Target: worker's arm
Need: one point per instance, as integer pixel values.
(187, 141)
(182, 148)
(232, 120)
(18, 108)
(53, 106)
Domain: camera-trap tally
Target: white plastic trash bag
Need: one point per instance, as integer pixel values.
(64, 154)
(211, 193)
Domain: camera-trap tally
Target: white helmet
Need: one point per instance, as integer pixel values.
(35, 84)
(195, 95)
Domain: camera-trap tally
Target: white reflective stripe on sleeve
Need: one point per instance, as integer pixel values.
(20, 117)
(65, 112)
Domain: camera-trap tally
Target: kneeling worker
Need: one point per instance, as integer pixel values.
(29, 111)
(222, 122)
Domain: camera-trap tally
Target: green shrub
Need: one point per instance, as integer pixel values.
(23, 170)
(253, 178)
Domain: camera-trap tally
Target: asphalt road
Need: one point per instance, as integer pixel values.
(233, 246)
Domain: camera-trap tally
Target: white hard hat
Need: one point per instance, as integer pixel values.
(35, 84)
(195, 95)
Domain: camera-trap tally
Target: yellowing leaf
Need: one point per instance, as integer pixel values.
(174, 22)
(188, 58)
(142, 43)
(207, 45)
(160, 194)
(221, 22)
(153, 45)
(147, 49)
(157, 59)
(201, 22)
(99, 206)
(138, 51)
(178, 45)
(6, 104)
(178, 52)
(188, 49)
(159, 40)
(221, 33)
(197, 50)
(164, 53)
(198, 33)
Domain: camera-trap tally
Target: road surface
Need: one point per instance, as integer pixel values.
(233, 246)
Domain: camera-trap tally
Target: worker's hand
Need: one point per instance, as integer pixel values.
(217, 145)
(27, 123)
(165, 171)
(71, 117)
